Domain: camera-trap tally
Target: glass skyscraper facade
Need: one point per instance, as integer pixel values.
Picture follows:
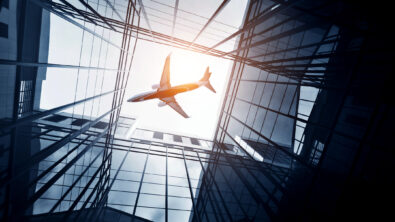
(303, 103)
(303, 131)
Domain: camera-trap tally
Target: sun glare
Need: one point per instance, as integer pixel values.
(201, 104)
(187, 66)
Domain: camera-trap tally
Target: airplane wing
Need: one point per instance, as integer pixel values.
(171, 101)
(165, 80)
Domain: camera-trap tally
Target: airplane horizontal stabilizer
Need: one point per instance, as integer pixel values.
(210, 87)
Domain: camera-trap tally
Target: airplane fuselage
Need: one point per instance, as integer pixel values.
(164, 93)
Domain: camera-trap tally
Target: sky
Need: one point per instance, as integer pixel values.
(201, 105)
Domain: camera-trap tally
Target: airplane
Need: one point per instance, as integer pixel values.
(165, 92)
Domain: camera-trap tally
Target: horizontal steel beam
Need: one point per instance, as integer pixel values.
(96, 13)
(61, 172)
(293, 31)
(52, 65)
(39, 156)
(261, 17)
(219, 9)
(39, 115)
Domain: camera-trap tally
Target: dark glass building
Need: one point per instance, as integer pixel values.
(303, 132)
(310, 101)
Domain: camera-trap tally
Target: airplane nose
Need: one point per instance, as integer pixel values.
(131, 99)
(135, 98)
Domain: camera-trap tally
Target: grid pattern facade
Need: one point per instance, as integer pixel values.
(296, 118)
(46, 167)
(298, 106)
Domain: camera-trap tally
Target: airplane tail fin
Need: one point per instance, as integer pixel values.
(206, 79)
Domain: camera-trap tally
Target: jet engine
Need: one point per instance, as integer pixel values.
(161, 104)
(155, 86)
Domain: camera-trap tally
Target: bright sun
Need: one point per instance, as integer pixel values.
(201, 104)
(186, 66)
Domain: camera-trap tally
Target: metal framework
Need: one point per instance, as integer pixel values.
(309, 66)
(67, 10)
(22, 166)
(285, 117)
(209, 159)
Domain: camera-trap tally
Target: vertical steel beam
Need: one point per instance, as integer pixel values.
(146, 19)
(195, 212)
(174, 18)
(141, 183)
(167, 186)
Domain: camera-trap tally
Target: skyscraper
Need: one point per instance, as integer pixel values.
(303, 131)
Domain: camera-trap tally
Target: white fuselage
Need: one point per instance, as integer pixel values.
(168, 92)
